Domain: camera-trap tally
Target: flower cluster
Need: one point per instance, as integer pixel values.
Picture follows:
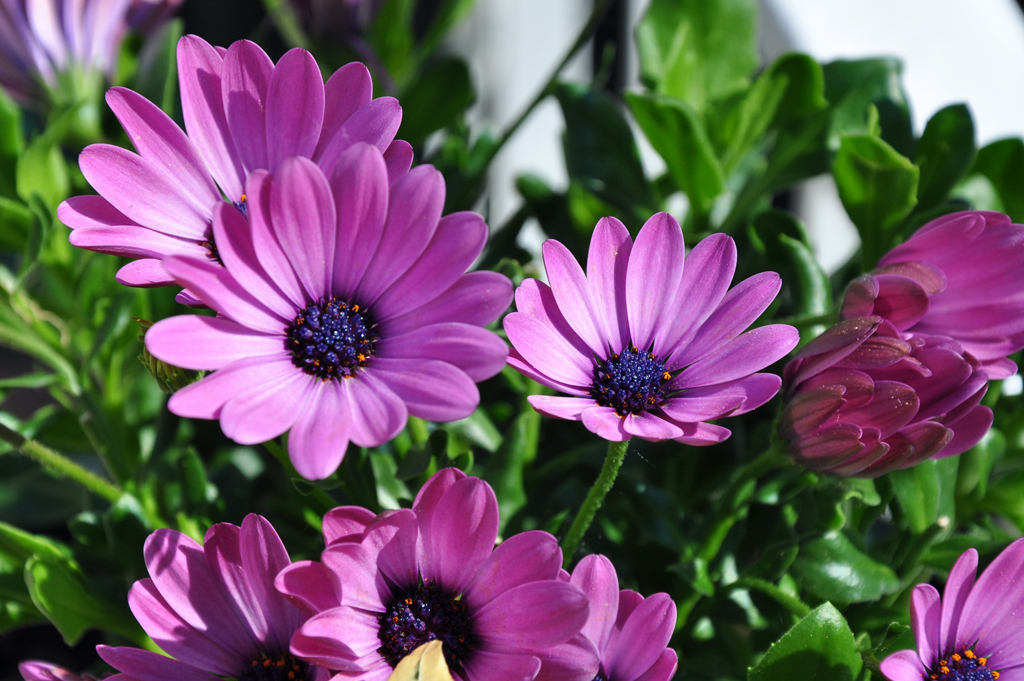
(900, 379)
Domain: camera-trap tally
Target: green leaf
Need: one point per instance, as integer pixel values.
(600, 150)
(478, 429)
(15, 224)
(11, 144)
(783, 240)
(878, 188)
(831, 567)
(392, 37)
(1002, 162)
(449, 14)
(698, 50)
(17, 545)
(18, 333)
(435, 98)
(820, 647)
(926, 492)
(59, 591)
(157, 77)
(41, 171)
(945, 153)
(677, 133)
(852, 87)
(505, 469)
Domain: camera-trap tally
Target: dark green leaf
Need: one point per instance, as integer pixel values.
(505, 469)
(392, 37)
(698, 50)
(1002, 162)
(18, 546)
(852, 87)
(677, 133)
(832, 567)
(478, 429)
(783, 239)
(945, 153)
(926, 492)
(820, 647)
(435, 98)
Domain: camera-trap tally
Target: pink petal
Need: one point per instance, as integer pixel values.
(595, 576)
(346, 91)
(655, 268)
(571, 408)
(204, 399)
(222, 549)
(651, 427)
(360, 188)
(377, 413)
(144, 665)
(263, 557)
(319, 437)
(535, 298)
(548, 351)
(904, 665)
(606, 277)
(262, 414)
(662, 670)
(271, 256)
(925, 618)
(207, 343)
(604, 422)
(355, 566)
(245, 80)
(304, 221)
(572, 295)
(534, 615)
(643, 639)
(335, 639)
(477, 298)
(483, 665)
(308, 585)
(295, 107)
(375, 123)
(431, 389)
(461, 534)
(750, 352)
(144, 273)
(958, 588)
(346, 523)
(478, 352)
(525, 557)
(398, 157)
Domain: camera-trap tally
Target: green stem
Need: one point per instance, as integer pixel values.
(600, 8)
(605, 479)
(61, 464)
(287, 24)
(787, 600)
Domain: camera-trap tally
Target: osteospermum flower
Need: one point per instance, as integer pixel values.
(343, 308)
(644, 345)
(975, 632)
(958, 276)
(388, 585)
(864, 400)
(58, 50)
(630, 632)
(214, 610)
(243, 113)
(37, 670)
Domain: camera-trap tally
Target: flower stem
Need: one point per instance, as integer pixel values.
(61, 464)
(605, 479)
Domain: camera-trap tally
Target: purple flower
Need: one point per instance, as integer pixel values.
(343, 306)
(58, 49)
(387, 585)
(864, 400)
(958, 276)
(243, 114)
(37, 670)
(214, 610)
(643, 345)
(975, 631)
(630, 632)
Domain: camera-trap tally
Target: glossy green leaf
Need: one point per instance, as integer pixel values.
(435, 98)
(927, 492)
(677, 133)
(945, 153)
(1002, 162)
(878, 188)
(698, 50)
(831, 567)
(820, 647)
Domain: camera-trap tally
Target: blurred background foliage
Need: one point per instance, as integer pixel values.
(748, 549)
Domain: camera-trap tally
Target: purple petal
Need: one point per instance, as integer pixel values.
(178, 568)
(202, 106)
(461, 534)
(477, 298)
(245, 79)
(268, 249)
(650, 427)
(574, 660)
(144, 273)
(360, 188)
(655, 268)
(125, 239)
(346, 523)
(207, 343)
(355, 566)
(346, 91)
(397, 539)
(605, 423)
(535, 298)
(478, 352)
(707, 273)
(303, 217)
(335, 639)
(222, 549)
(263, 557)
(140, 190)
(925, 619)
(904, 665)
(264, 413)
(831, 347)
(643, 638)
(572, 295)
(595, 576)
(215, 286)
(375, 123)
(483, 665)
(892, 406)
(740, 357)
(570, 408)
(319, 437)
(738, 310)
(516, 361)
(606, 277)
(458, 241)
(662, 670)
(431, 389)
(535, 615)
(993, 611)
(692, 409)
(958, 588)
(295, 107)
(204, 400)
(159, 140)
(702, 434)
(37, 670)
(525, 557)
(968, 431)
(144, 665)
(432, 491)
(308, 585)
(377, 413)
(398, 157)
(547, 351)
(413, 213)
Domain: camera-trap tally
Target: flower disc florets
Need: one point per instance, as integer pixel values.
(427, 613)
(331, 338)
(283, 667)
(963, 666)
(631, 382)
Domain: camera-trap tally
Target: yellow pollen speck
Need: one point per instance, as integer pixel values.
(666, 375)
(944, 670)
(982, 661)
(969, 654)
(995, 675)
(956, 657)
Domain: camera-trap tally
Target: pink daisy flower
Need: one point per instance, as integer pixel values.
(343, 308)
(643, 345)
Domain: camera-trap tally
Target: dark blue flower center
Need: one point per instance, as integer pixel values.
(963, 666)
(331, 338)
(243, 206)
(283, 667)
(211, 247)
(423, 614)
(630, 382)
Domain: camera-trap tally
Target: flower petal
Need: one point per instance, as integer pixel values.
(651, 427)
(245, 80)
(261, 414)
(534, 615)
(643, 639)
(742, 356)
(337, 638)
(547, 351)
(375, 123)
(655, 268)
(271, 256)
(461, 534)
(571, 408)
(319, 437)
(208, 343)
(595, 576)
(398, 157)
(904, 665)
(308, 585)
(925, 619)
(478, 352)
(958, 588)
(263, 557)
(522, 558)
(487, 666)
(572, 295)
(346, 91)
(604, 422)
(360, 188)
(606, 277)
(295, 107)
(304, 221)
(377, 413)
(477, 298)
(346, 523)
(144, 665)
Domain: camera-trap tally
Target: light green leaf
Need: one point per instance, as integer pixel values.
(820, 647)
(831, 567)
